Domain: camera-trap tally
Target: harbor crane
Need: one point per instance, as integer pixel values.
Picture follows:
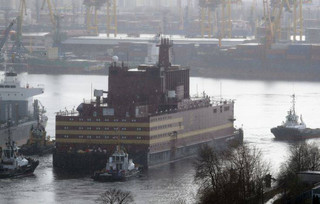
(55, 21)
(112, 24)
(92, 11)
(183, 14)
(18, 48)
(297, 18)
(6, 34)
(209, 6)
(52, 15)
(272, 18)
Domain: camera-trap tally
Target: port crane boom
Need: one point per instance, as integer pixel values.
(52, 16)
(273, 19)
(18, 47)
(55, 20)
(6, 34)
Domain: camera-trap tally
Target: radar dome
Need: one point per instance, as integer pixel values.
(115, 58)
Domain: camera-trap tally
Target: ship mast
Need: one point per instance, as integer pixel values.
(293, 104)
(9, 144)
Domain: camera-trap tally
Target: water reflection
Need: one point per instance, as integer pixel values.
(260, 105)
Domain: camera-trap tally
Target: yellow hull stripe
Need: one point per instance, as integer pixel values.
(101, 141)
(124, 141)
(101, 124)
(114, 133)
(190, 134)
(166, 122)
(118, 124)
(167, 130)
(103, 133)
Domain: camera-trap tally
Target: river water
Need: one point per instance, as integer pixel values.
(259, 106)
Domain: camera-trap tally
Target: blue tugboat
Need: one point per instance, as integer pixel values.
(293, 128)
(119, 168)
(12, 163)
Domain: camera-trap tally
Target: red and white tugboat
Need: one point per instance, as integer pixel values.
(12, 163)
(119, 168)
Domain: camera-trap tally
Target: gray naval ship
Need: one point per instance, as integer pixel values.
(294, 128)
(18, 106)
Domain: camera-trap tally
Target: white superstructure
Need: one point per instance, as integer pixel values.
(18, 106)
(292, 120)
(11, 89)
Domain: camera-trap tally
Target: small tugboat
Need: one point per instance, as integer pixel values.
(12, 163)
(119, 168)
(39, 143)
(293, 128)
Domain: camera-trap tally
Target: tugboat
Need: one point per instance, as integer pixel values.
(293, 128)
(119, 168)
(12, 163)
(39, 143)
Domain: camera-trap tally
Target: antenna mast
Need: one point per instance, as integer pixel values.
(293, 103)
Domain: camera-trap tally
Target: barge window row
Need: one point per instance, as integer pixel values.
(114, 137)
(161, 118)
(160, 135)
(99, 120)
(103, 128)
(161, 127)
(160, 144)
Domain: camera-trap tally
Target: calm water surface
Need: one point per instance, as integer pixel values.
(259, 106)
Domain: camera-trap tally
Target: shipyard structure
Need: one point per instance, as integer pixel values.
(149, 112)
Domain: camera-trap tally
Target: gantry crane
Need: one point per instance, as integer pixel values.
(273, 19)
(253, 16)
(112, 24)
(297, 18)
(92, 8)
(6, 34)
(207, 7)
(181, 19)
(183, 14)
(55, 21)
(18, 48)
(223, 21)
(52, 15)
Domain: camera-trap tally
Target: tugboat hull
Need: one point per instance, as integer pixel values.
(115, 176)
(284, 133)
(22, 171)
